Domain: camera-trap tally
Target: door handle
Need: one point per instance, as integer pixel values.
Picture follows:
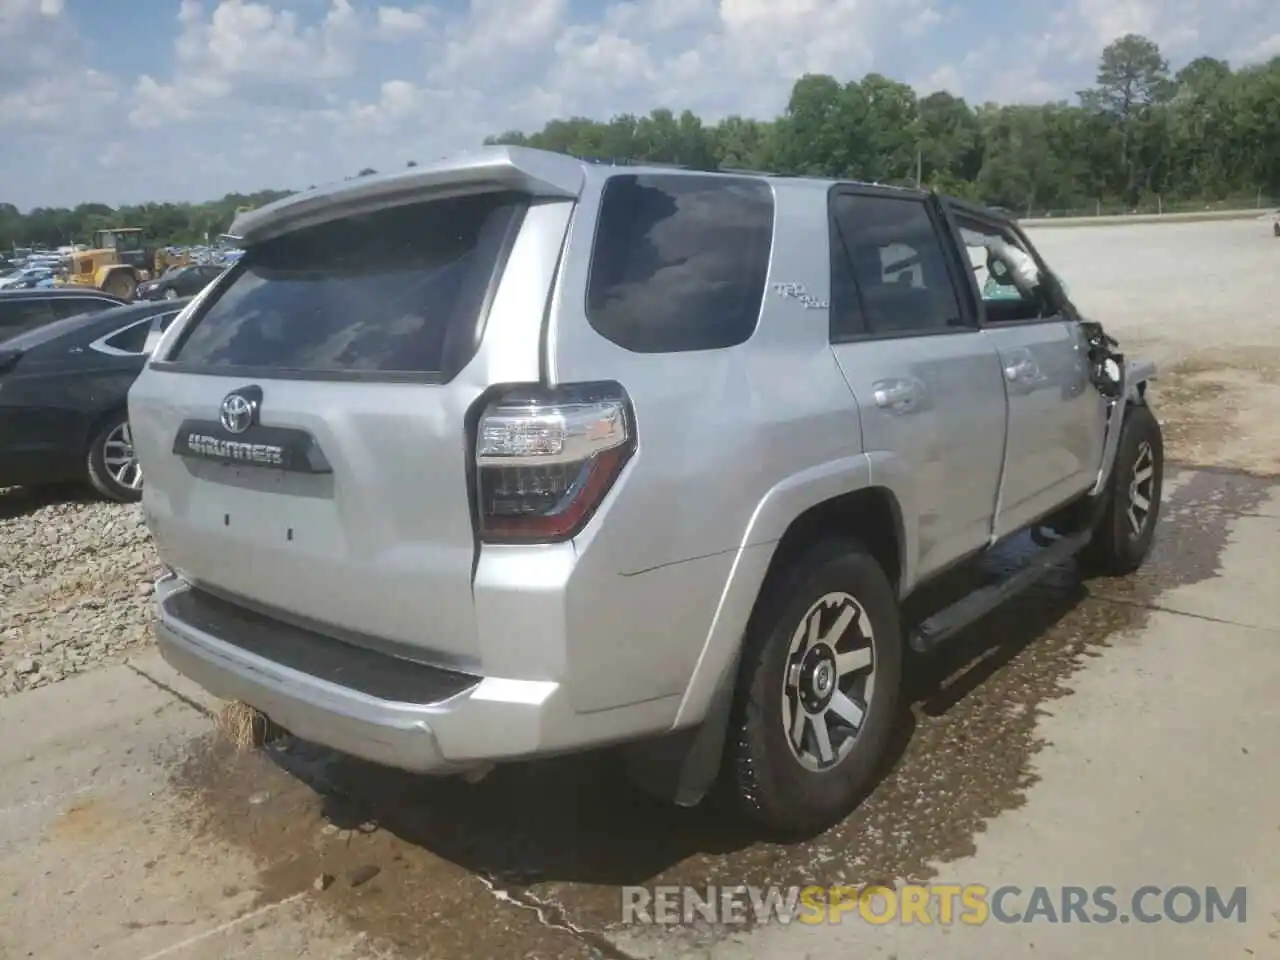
(1022, 370)
(899, 396)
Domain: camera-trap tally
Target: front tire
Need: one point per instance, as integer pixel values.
(112, 465)
(121, 285)
(1124, 533)
(818, 690)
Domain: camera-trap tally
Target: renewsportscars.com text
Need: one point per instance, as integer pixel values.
(942, 904)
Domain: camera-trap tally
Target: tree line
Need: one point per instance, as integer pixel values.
(1143, 137)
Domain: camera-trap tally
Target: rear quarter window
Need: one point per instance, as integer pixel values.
(399, 291)
(132, 338)
(680, 261)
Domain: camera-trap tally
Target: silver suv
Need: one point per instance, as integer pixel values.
(520, 454)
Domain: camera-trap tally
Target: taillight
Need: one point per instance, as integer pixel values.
(547, 457)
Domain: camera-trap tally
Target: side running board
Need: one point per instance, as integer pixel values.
(951, 620)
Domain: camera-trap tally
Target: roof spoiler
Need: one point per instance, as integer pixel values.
(538, 172)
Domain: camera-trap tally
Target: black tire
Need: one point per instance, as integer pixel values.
(121, 284)
(766, 777)
(102, 461)
(1116, 547)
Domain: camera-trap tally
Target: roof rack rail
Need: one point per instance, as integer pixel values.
(662, 164)
(631, 162)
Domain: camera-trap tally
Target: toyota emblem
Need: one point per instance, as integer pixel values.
(238, 412)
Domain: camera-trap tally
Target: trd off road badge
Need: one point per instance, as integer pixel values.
(796, 291)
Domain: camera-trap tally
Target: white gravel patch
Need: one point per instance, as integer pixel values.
(75, 586)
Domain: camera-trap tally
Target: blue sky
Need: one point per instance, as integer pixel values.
(189, 99)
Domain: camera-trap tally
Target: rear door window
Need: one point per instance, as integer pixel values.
(398, 291)
(18, 316)
(891, 276)
(76, 306)
(680, 261)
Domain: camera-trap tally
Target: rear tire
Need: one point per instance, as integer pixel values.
(120, 285)
(1124, 533)
(112, 466)
(818, 690)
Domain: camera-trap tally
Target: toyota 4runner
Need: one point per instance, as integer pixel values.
(519, 454)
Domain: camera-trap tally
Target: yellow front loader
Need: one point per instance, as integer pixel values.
(118, 262)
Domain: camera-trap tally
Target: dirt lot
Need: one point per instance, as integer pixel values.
(1088, 733)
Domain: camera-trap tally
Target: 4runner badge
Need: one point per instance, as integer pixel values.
(796, 291)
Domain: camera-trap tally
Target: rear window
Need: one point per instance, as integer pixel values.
(680, 261)
(399, 291)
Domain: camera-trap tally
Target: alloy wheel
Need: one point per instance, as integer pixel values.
(119, 458)
(829, 677)
(1141, 490)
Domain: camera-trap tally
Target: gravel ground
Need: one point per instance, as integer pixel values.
(75, 586)
(1202, 299)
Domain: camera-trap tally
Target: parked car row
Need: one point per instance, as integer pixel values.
(174, 272)
(179, 282)
(67, 359)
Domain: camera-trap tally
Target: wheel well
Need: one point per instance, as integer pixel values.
(870, 515)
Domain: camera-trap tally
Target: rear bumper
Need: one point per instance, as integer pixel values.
(492, 720)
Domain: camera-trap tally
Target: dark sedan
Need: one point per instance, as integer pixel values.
(179, 282)
(23, 310)
(63, 398)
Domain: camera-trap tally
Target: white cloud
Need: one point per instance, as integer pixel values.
(44, 83)
(1263, 50)
(290, 92)
(399, 23)
(248, 51)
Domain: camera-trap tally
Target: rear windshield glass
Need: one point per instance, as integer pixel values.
(397, 291)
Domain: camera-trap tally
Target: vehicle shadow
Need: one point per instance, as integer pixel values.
(17, 502)
(578, 819)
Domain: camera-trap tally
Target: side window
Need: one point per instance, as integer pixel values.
(18, 316)
(893, 278)
(1007, 276)
(680, 261)
(65, 307)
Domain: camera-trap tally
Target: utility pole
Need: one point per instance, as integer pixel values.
(919, 165)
